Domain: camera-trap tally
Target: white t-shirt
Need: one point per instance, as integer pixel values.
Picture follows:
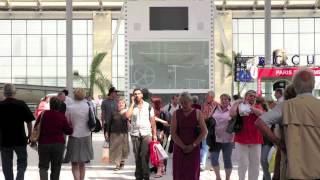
(140, 120)
(78, 113)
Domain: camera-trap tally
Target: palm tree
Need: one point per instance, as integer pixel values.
(96, 77)
(229, 62)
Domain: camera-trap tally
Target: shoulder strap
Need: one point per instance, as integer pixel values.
(169, 108)
(149, 109)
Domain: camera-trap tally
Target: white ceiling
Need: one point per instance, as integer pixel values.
(117, 4)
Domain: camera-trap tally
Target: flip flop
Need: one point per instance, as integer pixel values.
(157, 176)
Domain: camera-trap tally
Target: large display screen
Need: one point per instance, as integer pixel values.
(169, 18)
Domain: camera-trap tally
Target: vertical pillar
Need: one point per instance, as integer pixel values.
(69, 59)
(267, 38)
(267, 31)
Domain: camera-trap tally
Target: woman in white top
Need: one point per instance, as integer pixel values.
(79, 148)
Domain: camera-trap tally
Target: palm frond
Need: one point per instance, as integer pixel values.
(97, 60)
(77, 76)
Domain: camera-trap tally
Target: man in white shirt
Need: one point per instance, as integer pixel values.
(279, 95)
(172, 106)
(143, 125)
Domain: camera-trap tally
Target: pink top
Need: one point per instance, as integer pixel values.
(222, 118)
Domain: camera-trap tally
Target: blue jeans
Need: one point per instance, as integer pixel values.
(7, 164)
(203, 154)
(265, 149)
(226, 152)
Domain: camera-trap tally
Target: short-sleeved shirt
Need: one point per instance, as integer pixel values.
(14, 113)
(222, 118)
(273, 116)
(249, 133)
(78, 114)
(109, 106)
(140, 120)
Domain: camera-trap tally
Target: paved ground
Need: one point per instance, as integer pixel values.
(98, 171)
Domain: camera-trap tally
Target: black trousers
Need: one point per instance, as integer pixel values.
(50, 154)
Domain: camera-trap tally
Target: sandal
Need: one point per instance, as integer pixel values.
(117, 168)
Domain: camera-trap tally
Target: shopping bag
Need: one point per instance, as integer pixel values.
(35, 134)
(162, 154)
(105, 153)
(272, 158)
(154, 153)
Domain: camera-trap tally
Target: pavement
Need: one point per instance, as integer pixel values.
(96, 170)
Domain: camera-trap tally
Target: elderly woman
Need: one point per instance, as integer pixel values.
(118, 132)
(79, 148)
(51, 140)
(185, 132)
(223, 139)
(299, 118)
(248, 139)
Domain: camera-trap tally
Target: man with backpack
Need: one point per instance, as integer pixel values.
(143, 126)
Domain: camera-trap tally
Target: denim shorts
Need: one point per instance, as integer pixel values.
(226, 151)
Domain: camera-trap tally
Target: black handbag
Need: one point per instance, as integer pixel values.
(235, 124)
(94, 123)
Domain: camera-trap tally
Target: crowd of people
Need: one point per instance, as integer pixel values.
(290, 125)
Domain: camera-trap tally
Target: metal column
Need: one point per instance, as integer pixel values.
(267, 38)
(69, 63)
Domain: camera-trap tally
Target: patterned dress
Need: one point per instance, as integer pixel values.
(186, 166)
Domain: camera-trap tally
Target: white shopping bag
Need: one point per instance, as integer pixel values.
(161, 152)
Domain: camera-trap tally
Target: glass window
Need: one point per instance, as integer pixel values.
(19, 27)
(49, 27)
(80, 64)
(121, 83)
(114, 67)
(34, 70)
(245, 44)
(317, 43)
(19, 45)
(115, 82)
(234, 26)
(306, 44)
(121, 45)
(61, 27)
(5, 27)
(5, 69)
(33, 27)
(121, 28)
(258, 25)
(61, 45)
(90, 43)
(259, 44)
(80, 47)
(306, 25)
(245, 26)
(62, 67)
(34, 45)
(5, 45)
(19, 70)
(235, 42)
(121, 64)
(80, 27)
(114, 25)
(49, 45)
(276, 25)
(49, 66)
(276, 41)
(179, 65)
(291, 43)
(317, 24)
(291, 26)
(115, 48)
(90, 27)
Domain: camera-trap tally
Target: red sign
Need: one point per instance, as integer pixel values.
(279, 72)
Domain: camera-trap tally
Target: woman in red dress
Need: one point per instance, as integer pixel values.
(188, 129)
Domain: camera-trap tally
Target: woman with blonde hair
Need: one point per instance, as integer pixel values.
(79, 148)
